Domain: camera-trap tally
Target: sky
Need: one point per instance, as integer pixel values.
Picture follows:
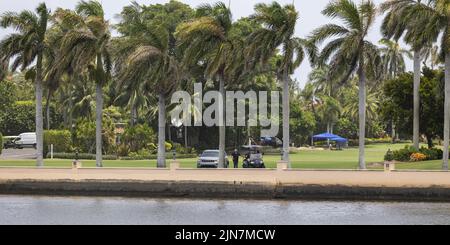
(310, 17)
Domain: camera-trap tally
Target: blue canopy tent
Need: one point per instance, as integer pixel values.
(330, 137)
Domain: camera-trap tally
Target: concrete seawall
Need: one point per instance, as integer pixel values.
(233, 184)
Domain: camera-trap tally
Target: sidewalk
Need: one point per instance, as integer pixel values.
(270, 177)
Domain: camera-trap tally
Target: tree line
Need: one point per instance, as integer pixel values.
(71, 56)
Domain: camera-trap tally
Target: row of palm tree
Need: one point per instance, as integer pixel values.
(155, 56)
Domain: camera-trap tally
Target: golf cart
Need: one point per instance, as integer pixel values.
(253, 156)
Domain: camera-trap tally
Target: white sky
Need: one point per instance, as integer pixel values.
(310, 16)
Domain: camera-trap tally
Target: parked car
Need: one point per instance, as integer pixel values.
(8, 141)
(271, 141)
(210, 159)
(25, 140)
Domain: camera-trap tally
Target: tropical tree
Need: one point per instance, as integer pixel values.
(401, 20)
(207, 38)
(423, 23)
(393, 58)
(277, 31)
(349, 51)
(147, 60)
(26, 46)
(86, 48)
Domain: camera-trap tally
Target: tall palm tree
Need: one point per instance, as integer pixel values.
(393, 58)
(401, 21)
(86, 48)
(423, 23)
(330, 110)
(146, 60)
(393, 63)
(349, 51)
(278, 27)
(27, 47)
(207, 39)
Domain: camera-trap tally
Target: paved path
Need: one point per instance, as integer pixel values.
(27, 153)
(271, 177)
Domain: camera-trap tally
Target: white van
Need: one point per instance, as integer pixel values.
(25, 140)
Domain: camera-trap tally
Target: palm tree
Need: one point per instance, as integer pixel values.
(86, 49)
(207, 39)
(393, 58)
(330, 110)
(423, 23)
(27, 47)
(321, 81)
(399, 22)
(146, 60)
(393, 63)
(350, 52)
(278, 27)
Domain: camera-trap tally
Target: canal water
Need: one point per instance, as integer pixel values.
(107, 210)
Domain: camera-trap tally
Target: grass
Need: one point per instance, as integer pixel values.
(347, 159)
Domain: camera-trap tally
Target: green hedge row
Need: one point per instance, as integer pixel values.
(154, 157)
(81, 156)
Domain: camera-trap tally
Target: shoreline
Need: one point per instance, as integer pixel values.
(410, 186)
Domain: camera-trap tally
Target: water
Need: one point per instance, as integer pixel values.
(92, 210)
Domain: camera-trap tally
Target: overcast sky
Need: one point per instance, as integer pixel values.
(310, 16)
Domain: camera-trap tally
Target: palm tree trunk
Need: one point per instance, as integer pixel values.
(446, 112)
(39, 115)
(222, 122)
(416, 99)
(185, 136)
(98, 125)
(47, 108)
(362, 115)
(286, 116)
(162, 131)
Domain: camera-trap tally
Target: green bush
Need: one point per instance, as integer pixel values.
(1, 143)
(136, 157)
(61, 140)
(138, 137)
(81, 156)
(404, 155)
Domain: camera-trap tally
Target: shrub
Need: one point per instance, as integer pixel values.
(389, 157)
(81, 156)
(138, 137)
(409, 153)
(418, 157)
(404, 155)
(61, 140)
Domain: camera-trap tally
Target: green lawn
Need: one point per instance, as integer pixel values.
(347, 159)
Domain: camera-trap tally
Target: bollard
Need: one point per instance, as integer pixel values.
(389, 166)
(174, 165)
(51, 151)
(282, 165)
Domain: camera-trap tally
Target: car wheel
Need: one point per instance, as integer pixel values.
(35, 146)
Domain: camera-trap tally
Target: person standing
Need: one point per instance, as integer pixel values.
(236, 156)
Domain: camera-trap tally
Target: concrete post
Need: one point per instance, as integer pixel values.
(282, 165)
(174, 166)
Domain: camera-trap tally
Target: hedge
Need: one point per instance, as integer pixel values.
(404, 155)
(81, 156)
(61, 140)
(154, 157)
